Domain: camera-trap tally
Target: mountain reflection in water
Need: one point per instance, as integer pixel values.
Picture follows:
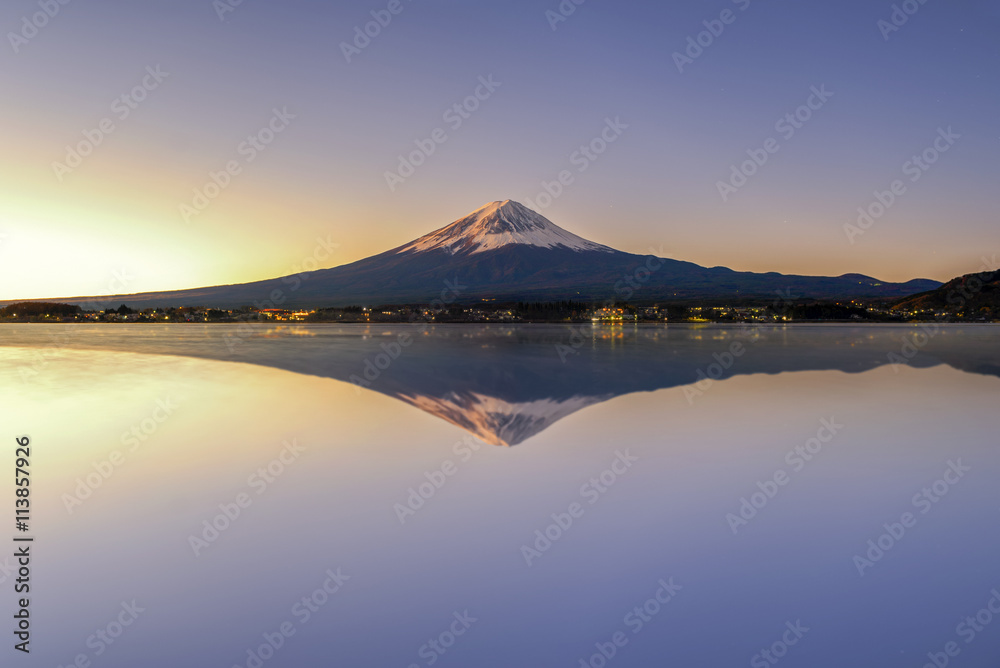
(506, 384)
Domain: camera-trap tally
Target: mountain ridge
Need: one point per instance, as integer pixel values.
(500, 224)
(978, 292)
(505, 251)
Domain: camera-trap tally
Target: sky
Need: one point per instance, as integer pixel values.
(328, 145)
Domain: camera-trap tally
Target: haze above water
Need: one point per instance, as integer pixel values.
(620, 421)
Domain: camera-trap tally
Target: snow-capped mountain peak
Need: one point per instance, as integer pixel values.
(500, 224)
(496, 421)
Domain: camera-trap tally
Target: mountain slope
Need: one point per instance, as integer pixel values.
(496, 421)
(973, 294)
(505, 251)
(497, 225)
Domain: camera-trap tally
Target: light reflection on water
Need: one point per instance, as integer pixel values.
(230, 415)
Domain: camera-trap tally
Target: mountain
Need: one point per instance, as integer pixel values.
(973, 296)
(498, 421)
(497, 225)
(507, 252)
(507, 384)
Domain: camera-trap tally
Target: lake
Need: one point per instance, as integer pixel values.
(497, 496)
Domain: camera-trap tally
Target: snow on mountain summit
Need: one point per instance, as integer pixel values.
(500, 224)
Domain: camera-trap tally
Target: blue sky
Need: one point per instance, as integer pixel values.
(324, 175)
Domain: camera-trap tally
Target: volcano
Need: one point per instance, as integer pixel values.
(500, 224)
(507, 252)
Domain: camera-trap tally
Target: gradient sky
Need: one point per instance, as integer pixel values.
(113, 224)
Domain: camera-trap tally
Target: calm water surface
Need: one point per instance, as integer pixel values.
(509, 496)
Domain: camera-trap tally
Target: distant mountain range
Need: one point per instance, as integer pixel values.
(507, 252)
(973, 294)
